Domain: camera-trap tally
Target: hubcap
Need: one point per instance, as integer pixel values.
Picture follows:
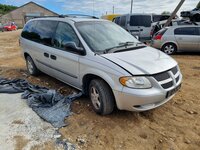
(169, 49)
(95, 98)
(30, 66)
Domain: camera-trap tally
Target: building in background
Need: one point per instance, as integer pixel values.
(26, 12)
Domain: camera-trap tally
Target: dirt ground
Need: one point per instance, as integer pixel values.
(174, 126)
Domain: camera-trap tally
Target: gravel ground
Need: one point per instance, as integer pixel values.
(175, 125)
(20, 127)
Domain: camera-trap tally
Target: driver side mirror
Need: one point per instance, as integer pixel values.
(137, 37)
(71, 46)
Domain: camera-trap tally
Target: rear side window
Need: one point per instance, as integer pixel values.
(123, 21)
(186, 31)
(40, 31)
(140, 20)
(45, 30)
(64, 34)
(29, 30)
(117, 20)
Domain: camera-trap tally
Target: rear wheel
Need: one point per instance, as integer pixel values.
(169, 48)
(101, 97)
(32, 69)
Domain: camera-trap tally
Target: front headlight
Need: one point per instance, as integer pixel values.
(135, 82)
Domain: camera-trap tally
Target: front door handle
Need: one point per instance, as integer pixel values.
(53, 57)
(46, 55)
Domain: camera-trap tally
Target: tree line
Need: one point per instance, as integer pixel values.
(6, 8)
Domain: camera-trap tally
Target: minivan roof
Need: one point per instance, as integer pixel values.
(146, 14)
(74, 19)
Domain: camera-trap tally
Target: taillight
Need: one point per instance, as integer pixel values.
(151, 33)
(157, 37)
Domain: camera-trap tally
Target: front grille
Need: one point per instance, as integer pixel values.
(177, 79)
(162, 76)
(167, 85)
(169, 78)
(174, 70)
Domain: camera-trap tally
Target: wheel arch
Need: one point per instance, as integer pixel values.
(170, 42)
(26, 55)
(89, 77)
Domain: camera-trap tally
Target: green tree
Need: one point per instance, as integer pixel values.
(198, 5)
(6, 8)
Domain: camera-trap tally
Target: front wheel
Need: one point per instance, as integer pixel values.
(101, 97)
(169, 48)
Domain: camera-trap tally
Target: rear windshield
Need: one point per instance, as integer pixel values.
(161, 32)
(140, 20)
(157, 18)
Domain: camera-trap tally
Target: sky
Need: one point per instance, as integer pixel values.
(100, 7)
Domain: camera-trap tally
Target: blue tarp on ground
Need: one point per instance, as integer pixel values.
(48, 104)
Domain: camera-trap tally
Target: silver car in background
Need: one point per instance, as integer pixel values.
(177, 38)
(102, 60)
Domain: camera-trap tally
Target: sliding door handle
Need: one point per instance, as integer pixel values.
(46, 55)
(53, 57)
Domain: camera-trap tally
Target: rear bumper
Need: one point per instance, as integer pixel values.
(140, 99)
(156, 44)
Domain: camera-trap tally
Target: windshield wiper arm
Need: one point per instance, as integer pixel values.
(127, 43)
(120, 45)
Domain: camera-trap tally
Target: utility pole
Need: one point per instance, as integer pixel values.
(113, 9)
(174, 13)
(131, 6)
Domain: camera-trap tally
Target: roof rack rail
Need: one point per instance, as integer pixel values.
(80, 15)
(63, 16)
(60, 16)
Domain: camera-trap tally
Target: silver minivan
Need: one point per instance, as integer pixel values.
(102, 60)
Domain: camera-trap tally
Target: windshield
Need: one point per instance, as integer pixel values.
(102, 35)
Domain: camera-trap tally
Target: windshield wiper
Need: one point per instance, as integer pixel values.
(120, 45)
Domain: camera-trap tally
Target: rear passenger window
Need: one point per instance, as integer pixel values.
(44, 31)
(28, 31)
(123, 21)
(186, 31)
(64, 34)
(40, 31)
(117, 20)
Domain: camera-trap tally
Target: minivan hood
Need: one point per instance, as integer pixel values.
(145, 61)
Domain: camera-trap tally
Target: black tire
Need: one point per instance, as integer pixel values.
(106, 97)
(169, 48)
(31, 68)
